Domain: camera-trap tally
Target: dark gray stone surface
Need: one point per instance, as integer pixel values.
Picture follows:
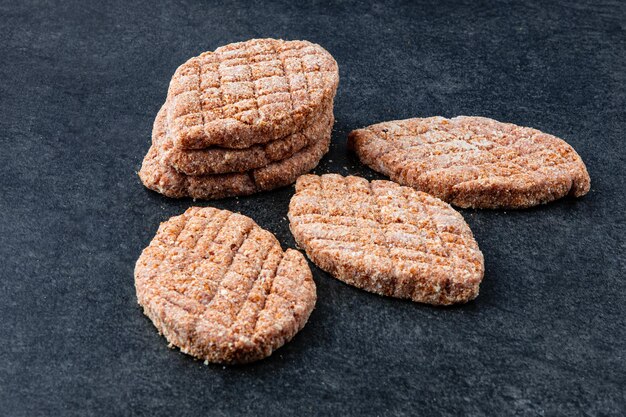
(81, 84)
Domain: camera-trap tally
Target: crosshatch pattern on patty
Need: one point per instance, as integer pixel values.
(473, 161)
(385, 238)
(249, 92)
(221, 288)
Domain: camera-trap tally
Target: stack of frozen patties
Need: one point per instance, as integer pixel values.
(248, 117)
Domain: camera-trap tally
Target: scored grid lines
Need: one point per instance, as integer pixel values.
(473, 162)
(307, 88)
(222, 331)
(287, 289)
(417, 253)
(254, 93)
(401, 251)
(284, 71)
(193, 281)
(375, 209)
(182, 219)
(266, 294)
(235, 249)
(378, 204)
(247, 109)
(410, 148)
(252, 287)
(244, 277)
(213, 236)
(200, 92)
(436, 242)
(452, 253)
(252, 83)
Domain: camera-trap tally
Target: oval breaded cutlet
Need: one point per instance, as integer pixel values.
(220, 288)
(473, 161)
(386, 238)
(249, 92)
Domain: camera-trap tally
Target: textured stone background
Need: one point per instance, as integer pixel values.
(81, 84)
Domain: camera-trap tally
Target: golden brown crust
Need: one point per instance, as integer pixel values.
(220, 288)
(473, 161)
(157, 175)
(387, 239)
(216, 160)
(249, 92)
